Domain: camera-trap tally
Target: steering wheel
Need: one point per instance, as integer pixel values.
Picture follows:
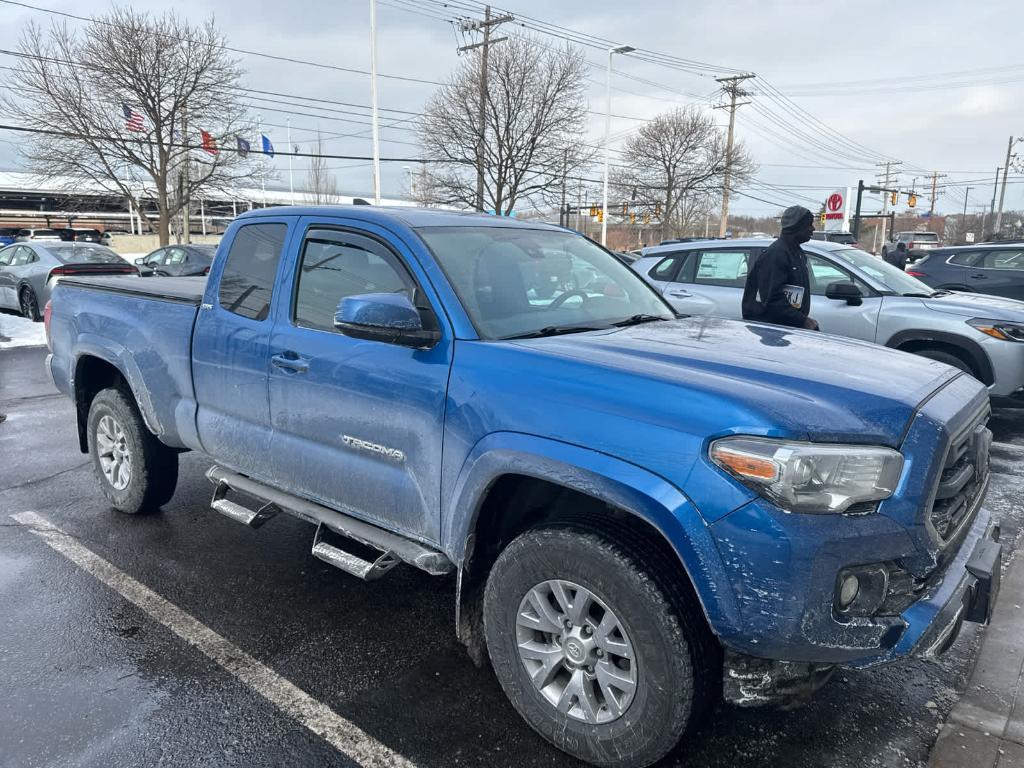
(567, 295)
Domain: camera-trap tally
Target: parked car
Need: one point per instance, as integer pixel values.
(997, 270)
(8, 235)
(88, 236)
(178, 261)
(916, 242)
(642, 510)
(30, 234)
(29, 271)
(846, 238)
(891, 307)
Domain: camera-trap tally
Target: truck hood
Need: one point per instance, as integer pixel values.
(978, 305)
(802, 383)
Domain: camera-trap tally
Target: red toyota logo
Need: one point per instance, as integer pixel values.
(835, 202)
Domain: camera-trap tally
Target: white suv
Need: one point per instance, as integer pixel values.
(915, 241)
(983, 335)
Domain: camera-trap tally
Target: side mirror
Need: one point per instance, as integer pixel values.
(845, 291)
(141, 261)
(387, 317)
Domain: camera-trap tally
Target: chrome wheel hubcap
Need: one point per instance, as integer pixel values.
(112, 450)
(576, 652)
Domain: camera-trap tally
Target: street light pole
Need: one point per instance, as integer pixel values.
(607, 137)
(373, 102)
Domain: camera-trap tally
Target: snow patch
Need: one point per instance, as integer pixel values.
(17, 331)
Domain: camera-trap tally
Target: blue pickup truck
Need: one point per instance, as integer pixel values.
(642, 512)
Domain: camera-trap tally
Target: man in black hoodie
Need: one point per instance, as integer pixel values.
(778, 288)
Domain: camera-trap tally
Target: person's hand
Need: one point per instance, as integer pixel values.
(811, 324)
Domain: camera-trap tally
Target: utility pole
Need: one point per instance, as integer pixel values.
(967, 196)
(563, 211)
(935, 178)
(291, 151)
(995, 190)
(885, 198)
(1002, 193)
(186, 225)
(485, 46)
(623, 49)
(375, 127)
(731, 86)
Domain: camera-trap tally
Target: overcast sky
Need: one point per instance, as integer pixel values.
(900, 54)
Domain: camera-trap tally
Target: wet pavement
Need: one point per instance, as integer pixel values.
(89, 679)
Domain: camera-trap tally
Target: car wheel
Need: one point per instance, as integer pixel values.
(945, 357)
(592, 651)
(137, 472)
(29, 304)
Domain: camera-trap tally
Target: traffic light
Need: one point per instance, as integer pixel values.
(600, 215)
(593, 211)
(821, 218)
(912, 201)
(647, 218)
(632, 218)
(893, 197)
(625, 209)
(657, 209)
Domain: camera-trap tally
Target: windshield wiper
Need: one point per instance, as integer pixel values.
(555, 330)
(637, 320)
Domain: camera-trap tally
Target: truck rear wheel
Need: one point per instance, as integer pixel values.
(591, 652)
(137, 472)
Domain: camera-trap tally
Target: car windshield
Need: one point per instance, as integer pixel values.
(924, 237)
(45, 233)
(884, 274)
(521, 282)
(87, 254)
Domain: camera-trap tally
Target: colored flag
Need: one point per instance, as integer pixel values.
(133, 121)
(243, 146)
(209, 143)
(268, 148)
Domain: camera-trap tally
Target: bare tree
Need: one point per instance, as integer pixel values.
(534, 123)
(677, 160)
(78, 88)
(321, 186)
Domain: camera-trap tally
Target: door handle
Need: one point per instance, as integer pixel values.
(680, 294)
(979, 276)
(289, 361)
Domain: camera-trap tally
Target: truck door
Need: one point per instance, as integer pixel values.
(230, 349)
(357, 424)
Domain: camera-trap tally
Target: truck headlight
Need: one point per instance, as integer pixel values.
(810, 477)
(999, 329)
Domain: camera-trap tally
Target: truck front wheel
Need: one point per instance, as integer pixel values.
(136, 472)
(593, 654)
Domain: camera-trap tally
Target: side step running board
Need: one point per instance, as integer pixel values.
(355, 546)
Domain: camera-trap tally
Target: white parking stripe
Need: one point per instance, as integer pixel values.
(345, 736)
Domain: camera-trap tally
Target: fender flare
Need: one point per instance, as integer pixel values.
(611, 480)
(972, 349)
(91, 345)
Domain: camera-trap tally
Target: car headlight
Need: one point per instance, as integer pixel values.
(810, 477)
(999, 329)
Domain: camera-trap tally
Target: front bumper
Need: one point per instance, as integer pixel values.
(1007, 361)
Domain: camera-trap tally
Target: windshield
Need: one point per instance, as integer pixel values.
(884, 274)
(924, 237)
(516, 282)
(89, 254)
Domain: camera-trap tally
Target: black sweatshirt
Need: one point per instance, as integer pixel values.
(778, 288)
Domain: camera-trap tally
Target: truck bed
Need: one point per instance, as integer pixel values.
(185, 290)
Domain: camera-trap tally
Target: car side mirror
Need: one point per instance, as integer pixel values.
(387, 317)
(845, 291)
(141, 261)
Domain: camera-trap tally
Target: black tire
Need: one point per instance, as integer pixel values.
(29, 304)
(153, 472)
(945, 357)
(675, 662)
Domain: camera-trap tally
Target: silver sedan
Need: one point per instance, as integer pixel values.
(28, 271)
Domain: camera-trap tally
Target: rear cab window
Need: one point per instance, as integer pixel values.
(250, 270)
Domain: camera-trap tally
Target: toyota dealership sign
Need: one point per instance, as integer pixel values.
(837, 211)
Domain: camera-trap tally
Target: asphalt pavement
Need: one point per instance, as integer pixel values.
(101, 667)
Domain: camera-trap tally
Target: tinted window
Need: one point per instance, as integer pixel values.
(22, 256)
(1002, 260)
(965, 258)
(247, 282)
(156, 258)
(83, 253)
(665, 270)
(334, 266)
(6, 255)
(726, 268)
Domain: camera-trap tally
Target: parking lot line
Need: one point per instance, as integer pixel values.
(342, 734)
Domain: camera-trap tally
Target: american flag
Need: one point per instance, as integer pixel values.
(133, 121)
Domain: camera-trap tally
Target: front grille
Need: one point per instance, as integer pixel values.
(963, 479)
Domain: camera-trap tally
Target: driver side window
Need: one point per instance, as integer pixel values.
(823, 273)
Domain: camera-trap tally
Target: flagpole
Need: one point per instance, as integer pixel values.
(291, 181)
(373, 102)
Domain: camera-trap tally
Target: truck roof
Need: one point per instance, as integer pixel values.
(410, 216)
